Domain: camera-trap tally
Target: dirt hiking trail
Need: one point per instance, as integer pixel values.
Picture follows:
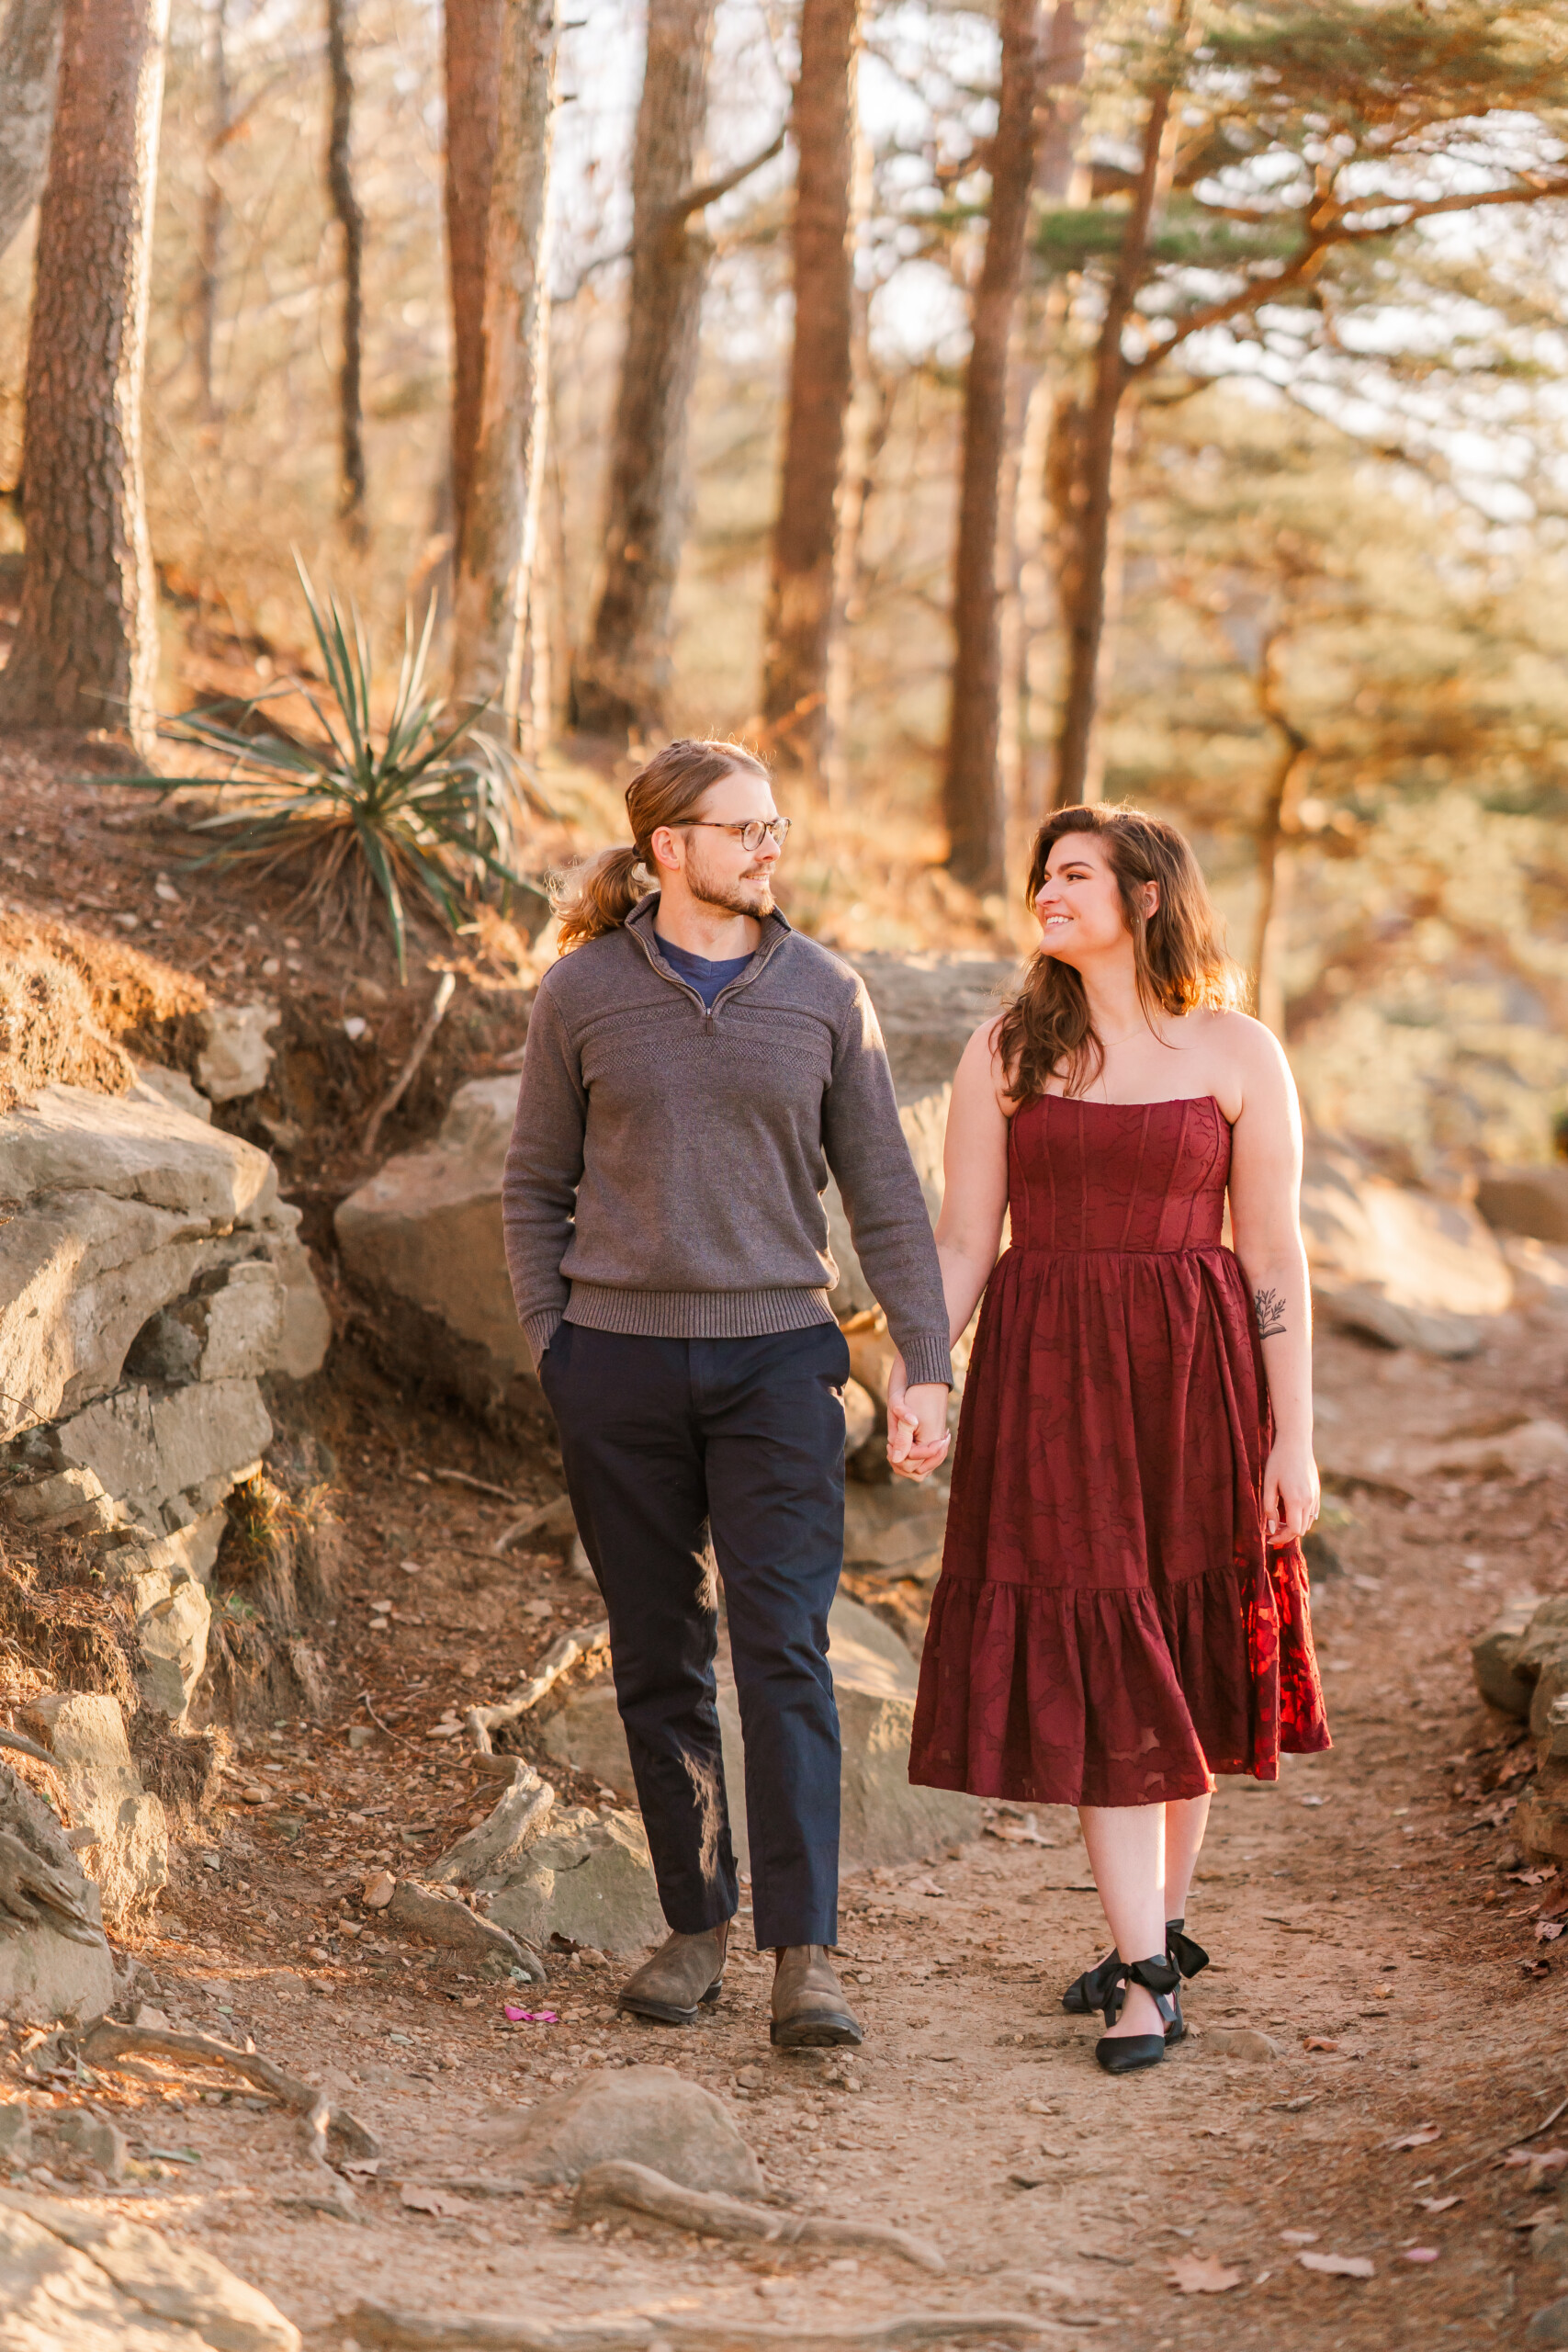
(1394, 1969)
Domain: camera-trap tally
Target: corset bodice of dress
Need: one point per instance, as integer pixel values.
(1128, 1176)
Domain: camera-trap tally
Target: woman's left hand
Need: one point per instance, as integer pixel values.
(1291, 1493)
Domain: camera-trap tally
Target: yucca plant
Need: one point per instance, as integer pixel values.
(427, 805)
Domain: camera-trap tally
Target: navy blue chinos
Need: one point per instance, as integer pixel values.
(664, 1442)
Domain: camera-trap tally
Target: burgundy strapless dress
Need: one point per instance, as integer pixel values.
(1111, 1627)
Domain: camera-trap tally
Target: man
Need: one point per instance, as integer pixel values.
(694, 1067)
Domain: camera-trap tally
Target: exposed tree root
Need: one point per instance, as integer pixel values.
(322, 2124)
(388, 2330)
(642, 2190)
(585, 1643)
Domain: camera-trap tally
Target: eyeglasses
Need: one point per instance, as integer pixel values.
(751, 835)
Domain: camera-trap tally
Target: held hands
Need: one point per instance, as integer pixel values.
(917, 1424)
(1291, 1493)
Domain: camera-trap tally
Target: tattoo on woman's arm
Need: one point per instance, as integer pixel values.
(1270, 1307)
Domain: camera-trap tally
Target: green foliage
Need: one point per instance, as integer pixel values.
(1313, 140)
(423, 805)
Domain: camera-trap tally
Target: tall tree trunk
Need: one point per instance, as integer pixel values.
(1092, 479)
(621, 679)
(1278, 823)
(473, 115)
(351, 220)
(972, 792)
(87, 647)
(495, 555)
(866, 428)
(209, 251)
(799, 624)
(29, 67)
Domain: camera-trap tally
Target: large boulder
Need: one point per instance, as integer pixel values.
(423, 1240)
(129, 1859)
(1532, 1201)
(883, 1820)
(149, 1277)
(1395, 1264)
(54, 1961)
(589, 1878)
(928, 1007)
(95, 2282)
(641, 2115)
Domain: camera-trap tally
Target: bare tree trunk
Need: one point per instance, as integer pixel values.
(799, 622)
(30, 66)
(866, 428)
(495, 555)
(87, 647)
(210, 249)
(621, 679)
(972, 789)
(1278, 824)
(351, 220)
(1083, 580)
(473, 115)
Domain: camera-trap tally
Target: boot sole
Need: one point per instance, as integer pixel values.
(665, 2012)
(829, 2032)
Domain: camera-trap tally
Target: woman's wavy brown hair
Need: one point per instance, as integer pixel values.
(597, 897)
(1177, 952)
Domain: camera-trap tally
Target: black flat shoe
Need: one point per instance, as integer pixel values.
(1085, 1996)
(1128, 2054)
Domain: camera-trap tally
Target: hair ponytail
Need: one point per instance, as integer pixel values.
(597, 897)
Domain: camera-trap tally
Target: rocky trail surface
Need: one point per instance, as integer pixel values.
(1358, 2147)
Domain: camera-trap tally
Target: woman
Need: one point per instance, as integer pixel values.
(1123, 1607)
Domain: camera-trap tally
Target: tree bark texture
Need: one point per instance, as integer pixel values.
(495, 556)
(473, 118)
(971, 790)
(1090, 496)
(800, 614)
(623, 678)
(87, 647)
(351, 221)
(209, 251)
(29, 68)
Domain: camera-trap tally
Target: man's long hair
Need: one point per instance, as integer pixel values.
(599, 896)
(1178, 950)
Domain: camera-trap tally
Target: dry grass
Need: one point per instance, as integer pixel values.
(74, 1008)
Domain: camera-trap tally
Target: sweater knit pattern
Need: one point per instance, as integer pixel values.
(666, 1164)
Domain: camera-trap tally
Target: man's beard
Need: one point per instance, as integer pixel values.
(747, 894)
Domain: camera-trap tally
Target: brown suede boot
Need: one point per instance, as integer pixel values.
(685, 1971)
(809, 2008)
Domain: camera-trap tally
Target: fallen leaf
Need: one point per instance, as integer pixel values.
(1201, 2274)
(1540, 2161)
(434, 2201)
(1547, 1931)
(1531, 1878)
(1435, 2204)
(1534, 1967)
(1422, 2137)
(1419, 2253)
(1317, 2042)
(1339, 2265)
(1298, 2237)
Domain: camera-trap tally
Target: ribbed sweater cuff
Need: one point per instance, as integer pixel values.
(539, 1330)
(697, 1314)
(927, 1359)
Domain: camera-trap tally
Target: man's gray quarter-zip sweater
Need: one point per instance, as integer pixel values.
(666, 1164)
